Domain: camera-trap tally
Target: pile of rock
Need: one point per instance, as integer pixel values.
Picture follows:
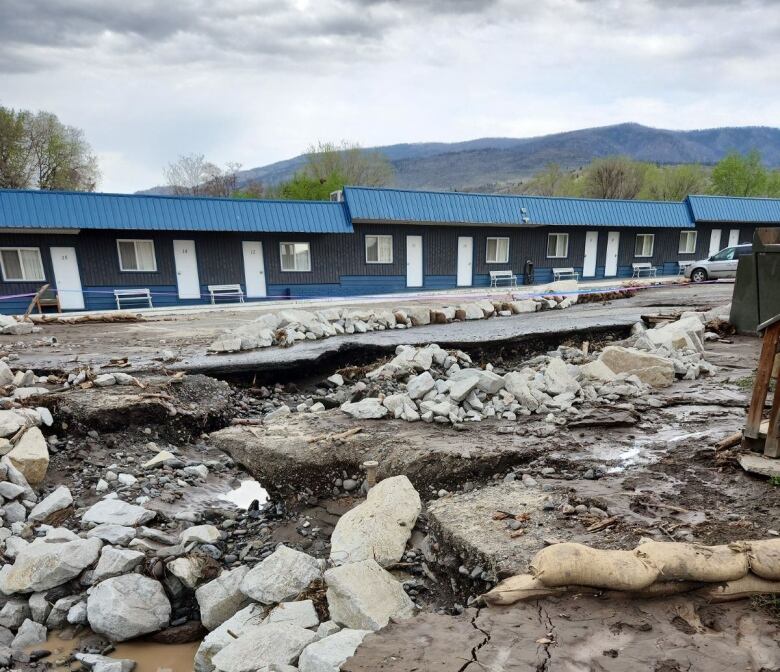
(434, 385)
(259, 617)
(286, 327)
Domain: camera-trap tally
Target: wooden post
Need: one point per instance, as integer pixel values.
(763, 376)
(772, 444)
(34, 299)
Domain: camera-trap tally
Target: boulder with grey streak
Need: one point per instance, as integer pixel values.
(42, 565)
(52, 506)
(125, 607)
(261, 646)
(115, 562)
(379, 527)
(226, 633)
(221, 598)
(364, 596)
(282, 576)
(117, 512)
(330, 653)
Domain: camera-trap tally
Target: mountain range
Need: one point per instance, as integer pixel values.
(493, 163)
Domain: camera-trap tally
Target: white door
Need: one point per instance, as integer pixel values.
(414, 261)
(591, 248)
(66, 277)
(254, 269)
(613, 243)
(714, 241)
(465, 260)
(733, 237)
(186, 269)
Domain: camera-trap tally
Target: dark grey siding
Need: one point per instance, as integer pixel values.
(44, 242)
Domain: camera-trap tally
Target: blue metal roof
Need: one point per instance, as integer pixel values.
(395, 205)
(77, 210)
(735, 209)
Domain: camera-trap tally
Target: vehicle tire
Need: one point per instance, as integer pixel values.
(698, 275)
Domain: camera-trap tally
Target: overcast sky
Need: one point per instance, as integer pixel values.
(256, 81)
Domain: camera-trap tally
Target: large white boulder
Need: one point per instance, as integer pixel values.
(379, 527)
(557, 379)
(330, 653)
(42, 565)
(47, 508)
(369, 408)
(301, 613)
(31, 456)
(126, 607)
(653, 370)
(117, 512)
(282, 576)
(686, 333)
(221, 598)
(487, 381)
(418, 386)
(10, 423)
(364, 596)
(221, 636)
(259, 647)
(597, 370)
(115, 562)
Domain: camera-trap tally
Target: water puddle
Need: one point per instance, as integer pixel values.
(245, 494)
(149, 656)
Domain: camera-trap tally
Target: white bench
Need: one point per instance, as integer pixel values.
(226, 292)
(498, 276)
(562, 273)
(134, 295)
(644, 267)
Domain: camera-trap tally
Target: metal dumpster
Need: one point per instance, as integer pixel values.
(757, 287)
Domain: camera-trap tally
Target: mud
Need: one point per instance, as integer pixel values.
(579, 633)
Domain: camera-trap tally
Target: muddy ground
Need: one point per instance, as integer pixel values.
(646, 471)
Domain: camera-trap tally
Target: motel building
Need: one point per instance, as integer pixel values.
(100, 251)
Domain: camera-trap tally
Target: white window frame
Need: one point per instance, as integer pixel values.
(135, 241)
(487, 245)
(687, 234)
(378, 261)
(652, 245)
(18, 250)
(281, 256)
(566, 247)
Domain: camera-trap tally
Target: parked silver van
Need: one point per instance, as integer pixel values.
(723, 264)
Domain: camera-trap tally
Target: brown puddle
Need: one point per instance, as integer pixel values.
(149, 656)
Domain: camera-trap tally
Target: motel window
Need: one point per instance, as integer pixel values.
(379, 249)
(497, 251)
(687, 242)
(21, 264)
(644, 245)
(136, 255)
(557, 245)
(295, 256)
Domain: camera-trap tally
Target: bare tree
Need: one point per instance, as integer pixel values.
(614, 177)
(193, 175)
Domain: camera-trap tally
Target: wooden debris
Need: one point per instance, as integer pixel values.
(603, 524)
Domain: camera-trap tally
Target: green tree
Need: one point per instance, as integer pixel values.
(674, 183)
(15, 167)
(329, 167)
(613, 177)
(740, 175)
(552, 180)
(38, 151)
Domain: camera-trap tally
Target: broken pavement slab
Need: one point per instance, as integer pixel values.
(761, 465)
(286, 458)
(464, 525)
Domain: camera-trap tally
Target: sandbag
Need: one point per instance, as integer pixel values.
(661, 589)
(748, 586)
(575, 564)
(520, 588)
(690, 562)
(764, 558)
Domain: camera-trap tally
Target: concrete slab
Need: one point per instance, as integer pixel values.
(760, 465)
